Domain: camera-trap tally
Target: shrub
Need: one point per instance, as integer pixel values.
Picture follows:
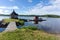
(20, 22)
(30, 27)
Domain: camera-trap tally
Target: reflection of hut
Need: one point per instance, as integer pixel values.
(14, 15)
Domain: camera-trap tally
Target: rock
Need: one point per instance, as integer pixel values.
(11, 27)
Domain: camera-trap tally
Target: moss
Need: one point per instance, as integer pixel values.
(21, 22)
(14, 20)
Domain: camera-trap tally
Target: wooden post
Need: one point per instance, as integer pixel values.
(36, 20)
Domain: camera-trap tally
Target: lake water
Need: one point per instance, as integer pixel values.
(51, 25)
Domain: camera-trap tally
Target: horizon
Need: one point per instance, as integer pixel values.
(30, 7)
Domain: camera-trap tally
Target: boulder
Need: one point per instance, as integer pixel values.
(11, 27)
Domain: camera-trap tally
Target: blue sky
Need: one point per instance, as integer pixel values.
(30, 7)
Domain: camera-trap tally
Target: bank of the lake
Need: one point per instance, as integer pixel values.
(27, 33)
(51, 25)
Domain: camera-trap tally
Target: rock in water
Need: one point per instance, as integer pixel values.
(11, 27)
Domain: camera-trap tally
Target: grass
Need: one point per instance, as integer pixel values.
(30, 27)
(13, 20)
(28, 33)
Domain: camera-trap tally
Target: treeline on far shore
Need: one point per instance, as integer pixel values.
(52, 16)
(47, 15)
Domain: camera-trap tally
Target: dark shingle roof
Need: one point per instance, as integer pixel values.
(14, 13)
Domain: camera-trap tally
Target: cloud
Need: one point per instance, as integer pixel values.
(41, 9)
(6, 7)
(7, 10)
(2, 11)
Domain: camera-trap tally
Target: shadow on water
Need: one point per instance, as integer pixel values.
(2, 29)
(3, 26)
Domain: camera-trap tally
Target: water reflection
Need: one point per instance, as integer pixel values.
(2, 29)
(52, 25)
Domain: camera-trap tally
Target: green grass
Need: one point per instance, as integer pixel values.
(13, 20)
(30, 27)
(28, 33)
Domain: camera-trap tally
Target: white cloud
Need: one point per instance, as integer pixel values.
(6, 7)
(50, 9)
(7, 10)
(2, 11)
(15, 7)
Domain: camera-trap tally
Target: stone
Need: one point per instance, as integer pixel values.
(11, 27)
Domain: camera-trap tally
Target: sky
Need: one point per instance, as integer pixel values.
(30, 7)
